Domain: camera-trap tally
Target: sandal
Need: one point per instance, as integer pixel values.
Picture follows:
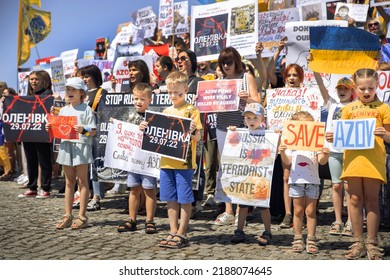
(65, 223)
(129, 225)
(357, 250)
(265, 238)
(238, 237)
(150, 227)
(374, 252)
(179, 243)
(80, 222)
(164, 242)
(311, 245)
(347, 230)
(336, 228)
(298, 245)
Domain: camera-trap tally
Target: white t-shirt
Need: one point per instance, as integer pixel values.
(304, 167)
(334, 113)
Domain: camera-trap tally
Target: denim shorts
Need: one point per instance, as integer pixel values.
(147, 182)
(176, 185)
(335, 166)
(302, 190)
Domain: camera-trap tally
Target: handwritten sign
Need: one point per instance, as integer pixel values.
(303, 135)
(218, 95)
(272, 28)
(247, 165)
(167, 135)
(62, 127)
(123, 150)
(283, 102)
(354, 134)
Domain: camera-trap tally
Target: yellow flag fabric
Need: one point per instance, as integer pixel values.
(34, 26)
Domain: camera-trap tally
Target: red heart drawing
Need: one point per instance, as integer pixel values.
(64, 129)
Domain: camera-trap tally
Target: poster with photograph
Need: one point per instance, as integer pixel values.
(345, 11)
(229, 23)
(57, 76)
(247, 164)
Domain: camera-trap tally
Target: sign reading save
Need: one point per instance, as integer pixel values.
(303, 135)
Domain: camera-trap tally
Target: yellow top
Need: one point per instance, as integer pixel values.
(187, 111)
(368, 163)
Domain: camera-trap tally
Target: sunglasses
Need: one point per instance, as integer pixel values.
(227, 63)
(182, 58)
(373, 24)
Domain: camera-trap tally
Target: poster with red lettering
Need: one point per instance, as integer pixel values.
(218, 95)
(303, 135)
(24, 118)
(62, 127)
(167, 135)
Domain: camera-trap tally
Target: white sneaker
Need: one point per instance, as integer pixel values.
(224, 219)
(19, 177)
(209, 201)
(116, 191)
(23, 180)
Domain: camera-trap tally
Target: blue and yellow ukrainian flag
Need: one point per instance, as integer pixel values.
(342, 50)
(34, 26)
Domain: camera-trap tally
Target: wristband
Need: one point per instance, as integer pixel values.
(86, 131)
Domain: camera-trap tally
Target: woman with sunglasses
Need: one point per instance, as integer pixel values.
(187, 63)
(229, 61)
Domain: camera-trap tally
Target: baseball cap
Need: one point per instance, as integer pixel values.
(76, 83)
(254, 108)
(346, 82)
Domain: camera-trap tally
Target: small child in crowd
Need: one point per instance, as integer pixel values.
(141, 183)
(365, 170)
(304, 189)
(76, 155)
(254, 120)
(176, 176)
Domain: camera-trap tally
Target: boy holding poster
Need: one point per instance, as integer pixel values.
(176, 176)
(136, 182)
(304, 182)
(254, 120)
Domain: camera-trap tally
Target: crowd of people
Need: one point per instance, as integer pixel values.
(356, 175)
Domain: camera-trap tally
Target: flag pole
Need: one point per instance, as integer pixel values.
(29, 27)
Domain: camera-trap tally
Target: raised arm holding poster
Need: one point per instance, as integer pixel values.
(247, 165)
(218, 95)
(303, 135)
(298, 42)
(24, 118)
(229, 23)
(167, 135)
(123, 150)
(272, 28)
(342, 50)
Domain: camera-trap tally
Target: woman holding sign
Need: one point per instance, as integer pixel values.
(230, 63)
(364, 170)
(38, 154)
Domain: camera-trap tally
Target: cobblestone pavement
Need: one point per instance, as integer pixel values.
(27, 232)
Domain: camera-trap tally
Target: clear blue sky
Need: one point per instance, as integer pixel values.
(75, 24)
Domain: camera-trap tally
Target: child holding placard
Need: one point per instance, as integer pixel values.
(304, 182)
(176, 176)
(76, 155)
(364, 170)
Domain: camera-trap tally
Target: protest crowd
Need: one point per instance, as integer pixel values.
(200, 119)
